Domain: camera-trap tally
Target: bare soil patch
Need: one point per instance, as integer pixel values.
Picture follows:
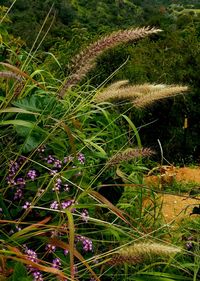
(174, 207)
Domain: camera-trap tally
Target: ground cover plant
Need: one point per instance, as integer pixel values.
(72, 167)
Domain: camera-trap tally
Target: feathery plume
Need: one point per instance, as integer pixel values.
(10, 75)
(159, 94)
(118, 84)
(129, 154)
(120, 93)
(142, 92)
(140, 252)
(85, 61)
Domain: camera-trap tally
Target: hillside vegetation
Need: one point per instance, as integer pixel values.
(96, 98)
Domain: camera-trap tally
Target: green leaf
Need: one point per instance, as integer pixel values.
(134, 130)
(18, 122)
(20, 272)
(97, 147)
(16, 110)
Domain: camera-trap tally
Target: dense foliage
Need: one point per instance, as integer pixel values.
(172, 57)
(74, 204)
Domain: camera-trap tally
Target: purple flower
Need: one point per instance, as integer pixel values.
(18, 195)
(81, 158)
(50, 248)
(21, 182)
(85, 215)
(54, 205)
(27, 205)
(32, 174)
(57, 163)
(31, 255)
(67, 204)
(66, 252)
(57, 185)
(87, 243)
(50, 159)
(41, 149)
(37, 275)
(53, 172)
(56, 263)
(66, 187)
(68, 159)
(189, 245)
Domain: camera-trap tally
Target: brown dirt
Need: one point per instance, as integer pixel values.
(175, 208)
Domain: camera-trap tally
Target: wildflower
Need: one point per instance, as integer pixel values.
(31, 255)
(50, 159)
(27, 205)
(87, 243)
(21, 182)
(81, 158)
(40, 192)
(37, 276)
(57, 185)
(67, 204)
(41, 149)
(189, 245)
(85, 215)
(18, 228)
(56, 263)
(68, 159)
(66, 252)
(57, 163)
(32, 174)
(18, 194)
(53, 172)
(54, 205)
(50, 248)
(66, 187)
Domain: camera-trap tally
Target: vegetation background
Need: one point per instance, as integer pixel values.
(39, 183)
(173, 57)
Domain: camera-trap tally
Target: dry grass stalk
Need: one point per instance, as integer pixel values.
(160, 94)
(129, 154)
(85, 61)
(137, 253)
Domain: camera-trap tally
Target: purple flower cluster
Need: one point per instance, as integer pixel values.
(54, 205)
(32, 256)
(81, 158)
(189, 244)
(56, 263)
(64, 205)
(67, 204)
(50, 248)
(27, 205)
(87, 243)
(14, 167)
(32, 174)
(85, 215)
(57, 185)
